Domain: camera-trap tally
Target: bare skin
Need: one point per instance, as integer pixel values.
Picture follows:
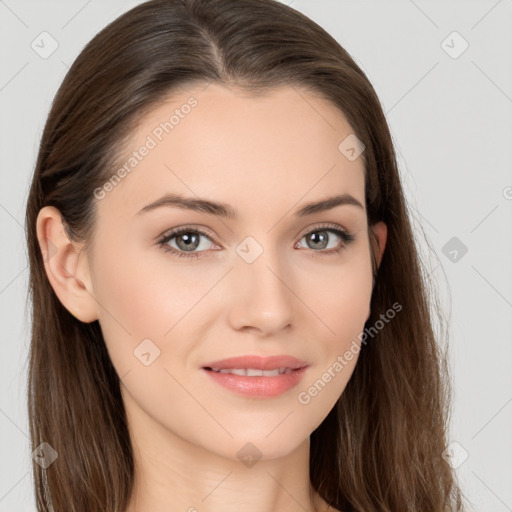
(266, 157)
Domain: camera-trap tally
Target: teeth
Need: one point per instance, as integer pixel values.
(252, 372)
(234, 371)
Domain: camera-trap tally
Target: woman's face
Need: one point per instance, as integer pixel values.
(267, 280)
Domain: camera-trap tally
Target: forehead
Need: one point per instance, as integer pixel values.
(240, 148)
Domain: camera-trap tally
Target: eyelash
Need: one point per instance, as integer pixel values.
(343, 234)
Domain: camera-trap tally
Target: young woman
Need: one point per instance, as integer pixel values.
(229, 310)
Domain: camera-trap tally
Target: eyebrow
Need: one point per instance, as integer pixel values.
(225, 210)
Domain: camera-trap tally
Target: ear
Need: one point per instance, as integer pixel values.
(377, 246)
(381, 232)
(67, 267)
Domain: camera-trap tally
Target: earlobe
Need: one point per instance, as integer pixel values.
(66, 267)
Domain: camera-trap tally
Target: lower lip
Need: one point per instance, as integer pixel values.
(258, 386)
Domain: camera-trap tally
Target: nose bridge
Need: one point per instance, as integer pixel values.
(261, 296)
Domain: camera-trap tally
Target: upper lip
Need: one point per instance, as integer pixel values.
(257, 362)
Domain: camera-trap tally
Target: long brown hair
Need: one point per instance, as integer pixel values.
(380, 448)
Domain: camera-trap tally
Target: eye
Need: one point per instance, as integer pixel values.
(319, 239)
(187, 240)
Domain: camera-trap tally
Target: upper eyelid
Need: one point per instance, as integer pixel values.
(170, 233)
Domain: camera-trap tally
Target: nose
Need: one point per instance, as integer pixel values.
(262, 296)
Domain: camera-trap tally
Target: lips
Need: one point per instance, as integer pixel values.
(255, 376)
(282, 363)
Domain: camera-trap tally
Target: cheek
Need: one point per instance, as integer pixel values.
(350, 302)
(138, 309)
(342, 302)
(129, 296)
(141, 292)
(339, 294)
(149, 311)
(343, 310)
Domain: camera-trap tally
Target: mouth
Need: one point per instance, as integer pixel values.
(255, 376)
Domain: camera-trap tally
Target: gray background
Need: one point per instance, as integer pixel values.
(450, 116)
